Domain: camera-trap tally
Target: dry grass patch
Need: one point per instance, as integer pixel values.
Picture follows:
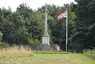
(15, 51)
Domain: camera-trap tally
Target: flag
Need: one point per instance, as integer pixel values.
(62, 15)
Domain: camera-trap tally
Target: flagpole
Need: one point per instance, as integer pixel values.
(67, 29)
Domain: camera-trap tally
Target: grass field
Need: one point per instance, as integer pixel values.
(49, 59)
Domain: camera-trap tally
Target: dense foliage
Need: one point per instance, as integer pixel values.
(26, 26)
(84, 31)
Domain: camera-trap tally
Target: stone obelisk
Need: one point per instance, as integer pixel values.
(45, 37)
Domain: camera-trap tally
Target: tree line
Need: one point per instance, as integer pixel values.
(26, 26)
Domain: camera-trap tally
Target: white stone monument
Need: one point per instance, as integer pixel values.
(45, 37)
(57, 47)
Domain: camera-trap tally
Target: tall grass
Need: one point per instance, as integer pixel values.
(15, 51)
(89, 52)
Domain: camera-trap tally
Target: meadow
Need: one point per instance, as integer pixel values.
(48, 58)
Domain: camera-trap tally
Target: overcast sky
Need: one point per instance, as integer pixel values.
(34, 4)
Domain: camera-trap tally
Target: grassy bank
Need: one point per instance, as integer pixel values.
(90, 53)
(49, 59)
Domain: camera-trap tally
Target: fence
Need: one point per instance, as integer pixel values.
(75, 48)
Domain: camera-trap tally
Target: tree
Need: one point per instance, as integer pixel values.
(24, 10)
(83, 31)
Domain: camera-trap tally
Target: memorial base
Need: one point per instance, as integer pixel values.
(46, 48)
(46, 43)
